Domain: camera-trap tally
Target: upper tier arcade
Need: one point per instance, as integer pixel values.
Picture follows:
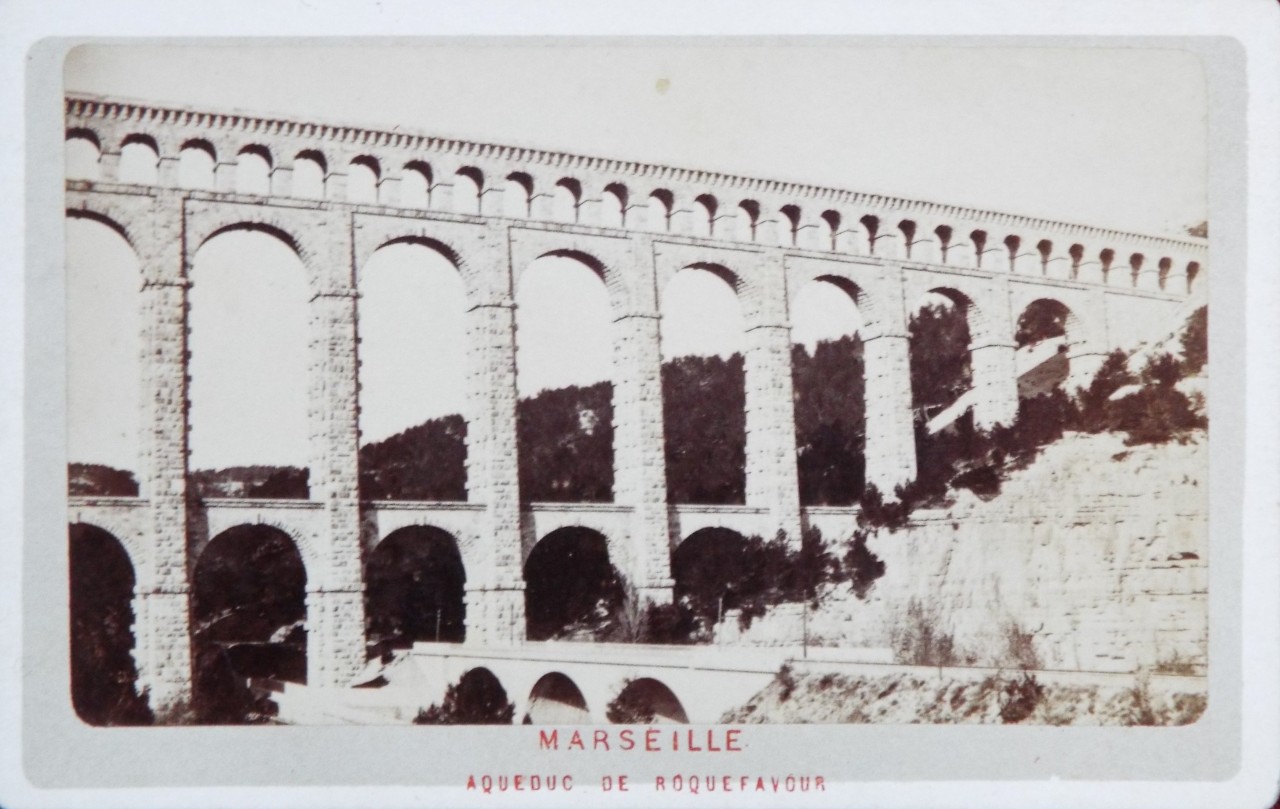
(240, 153)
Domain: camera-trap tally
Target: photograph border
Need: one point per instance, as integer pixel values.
(57, 749)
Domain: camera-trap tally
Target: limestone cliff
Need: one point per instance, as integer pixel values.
(1097, 549)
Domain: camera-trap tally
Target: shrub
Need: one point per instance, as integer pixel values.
(862, 565)
(1019, 698)
(1195, 342)
(1159, 411)
(919, 642)
(786, 679)
(1093, 402)
(477, 699)
(1141, 712)
(874, 512)
(1019, 647)
(629, 708)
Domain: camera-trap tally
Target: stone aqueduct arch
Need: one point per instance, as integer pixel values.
(636, 225)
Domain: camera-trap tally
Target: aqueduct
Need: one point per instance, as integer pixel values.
(336, 194)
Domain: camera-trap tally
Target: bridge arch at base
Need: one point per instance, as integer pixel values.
(646, 701)
(104, 688)
(555, 699)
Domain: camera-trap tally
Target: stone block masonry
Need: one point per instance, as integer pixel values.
(634, 223)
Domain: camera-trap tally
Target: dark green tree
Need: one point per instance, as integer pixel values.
(940, 368)
(829, 408)
(703, 405)
(477, 699)
(566, 445)
(1195, 342)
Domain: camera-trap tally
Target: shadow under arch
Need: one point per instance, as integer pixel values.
(248, 609)
(646, 701)
(104, 688)
(415, 589)
(478, 698)
(555, 699)
(571, 585)
(940, 333)
(275, 231)
(710, 568)
(103, 219)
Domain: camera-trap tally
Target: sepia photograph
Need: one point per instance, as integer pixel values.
(379, 424)
(529, 418)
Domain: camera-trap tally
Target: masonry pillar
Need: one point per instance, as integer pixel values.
(890, 449)
(639, 451)
(772, 478)
(495, 595)
(162, 594)
(991, 353)
(335, 592)
(1087, 350)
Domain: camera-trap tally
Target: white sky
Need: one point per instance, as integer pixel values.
(1109, 137)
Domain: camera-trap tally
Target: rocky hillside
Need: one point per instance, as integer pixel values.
(930, 696)
(1096, 553)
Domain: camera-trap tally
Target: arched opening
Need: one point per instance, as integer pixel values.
(556, 700)
(139, 161)
(979, 239)
(1135, 268)
(571, 587)
(309, 171)
(415, 185)
(1045, 249)
(1042, 339)
(832, 220)
(468, 185)
(828, 371)
(414, 590)
(103, 673)
(613, 213)
(747, 219)
(413, 374)
(1166, 264)
(1012, 246)
(658, 211)
(104, 349)
(565, 197)
(711, 569)
(646, 701)
(1193, 272)
(871, 225)
(362, 180)
(248, 614)
(1076, 252)
(564, 371)
(704, 215)
(253, 171)
(196, 165)
(1107, 257)
(790, 225)
(939, 346)
(477, 699)
(703, 388)
(944, 234)
(517, 195)
(908, 229)
(249, 325)
(82, 153)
